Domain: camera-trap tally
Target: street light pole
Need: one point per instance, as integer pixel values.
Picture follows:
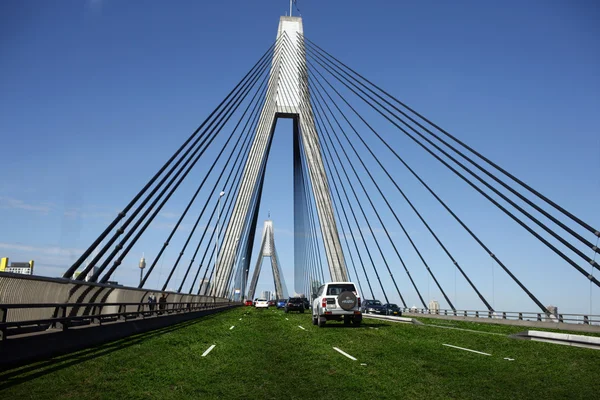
(244, 275)
(142, 265)
(218, 233)
(237, 241)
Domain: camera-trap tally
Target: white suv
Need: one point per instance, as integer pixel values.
(338, 301)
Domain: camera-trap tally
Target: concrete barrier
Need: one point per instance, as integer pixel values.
(26, 289)
(23, 349)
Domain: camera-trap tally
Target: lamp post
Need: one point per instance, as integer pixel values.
(244, 277)
(218, 233)
(142, 265)
(237, 241)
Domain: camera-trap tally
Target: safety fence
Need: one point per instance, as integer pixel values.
(512, 315)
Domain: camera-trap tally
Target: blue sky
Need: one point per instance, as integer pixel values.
(96, 95)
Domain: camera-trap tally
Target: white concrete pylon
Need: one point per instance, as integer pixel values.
(287, 97)
(267, 249)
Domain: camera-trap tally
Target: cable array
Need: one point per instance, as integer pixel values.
(355, 128)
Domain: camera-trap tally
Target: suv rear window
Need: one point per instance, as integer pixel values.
(338, 288)
(295, 300)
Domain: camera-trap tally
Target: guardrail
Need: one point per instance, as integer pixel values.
(92, 314)
(512, 315)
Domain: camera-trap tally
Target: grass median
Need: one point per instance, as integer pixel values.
(267, 356)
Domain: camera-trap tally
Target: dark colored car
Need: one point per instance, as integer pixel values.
(271, 303)
(392, 309)
(372, 307)
(306, 303)
(294, 304)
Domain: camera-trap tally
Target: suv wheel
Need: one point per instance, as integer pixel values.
(320, 322)
(314, 320)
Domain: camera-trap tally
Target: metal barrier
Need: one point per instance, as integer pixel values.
(581, 319)
(95, 316)
(35, 303)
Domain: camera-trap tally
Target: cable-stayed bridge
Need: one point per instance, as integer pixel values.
(350, 203)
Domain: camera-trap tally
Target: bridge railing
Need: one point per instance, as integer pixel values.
(65, 315)
(584, 319)
(25, 298)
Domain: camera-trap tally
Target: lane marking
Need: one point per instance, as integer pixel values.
(208, 350)
(232, 326)
(344, 353)
(301, 328)
(462, 348)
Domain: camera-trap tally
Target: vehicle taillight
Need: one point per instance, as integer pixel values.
(358, 301)
(324, 302)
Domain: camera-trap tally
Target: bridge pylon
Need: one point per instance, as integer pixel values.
(267, 249)
(287, 96)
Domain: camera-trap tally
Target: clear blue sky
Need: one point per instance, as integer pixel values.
(96, 95)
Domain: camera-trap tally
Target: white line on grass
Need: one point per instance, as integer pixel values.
(344, 353)
(232, 326)
(462, 348)
(208, 350)
(301, 328)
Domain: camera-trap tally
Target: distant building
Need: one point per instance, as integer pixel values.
(88, 276)
(552, 315)
(204, 287)
(24, 268)
(434, 306)
(266, 294)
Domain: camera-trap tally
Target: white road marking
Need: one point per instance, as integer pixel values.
(208, 350)
(301, 328)
(462, 348)
(232, 326)
(344, 353)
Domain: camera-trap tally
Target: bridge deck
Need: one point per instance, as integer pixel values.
(269, 354)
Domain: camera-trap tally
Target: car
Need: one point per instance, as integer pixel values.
(248, 302)
(294, 304)
(337, 301)
(281, 303)
(392, 309)
(306, 303)
(372, 307)
(271, 302)
(261, 303)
